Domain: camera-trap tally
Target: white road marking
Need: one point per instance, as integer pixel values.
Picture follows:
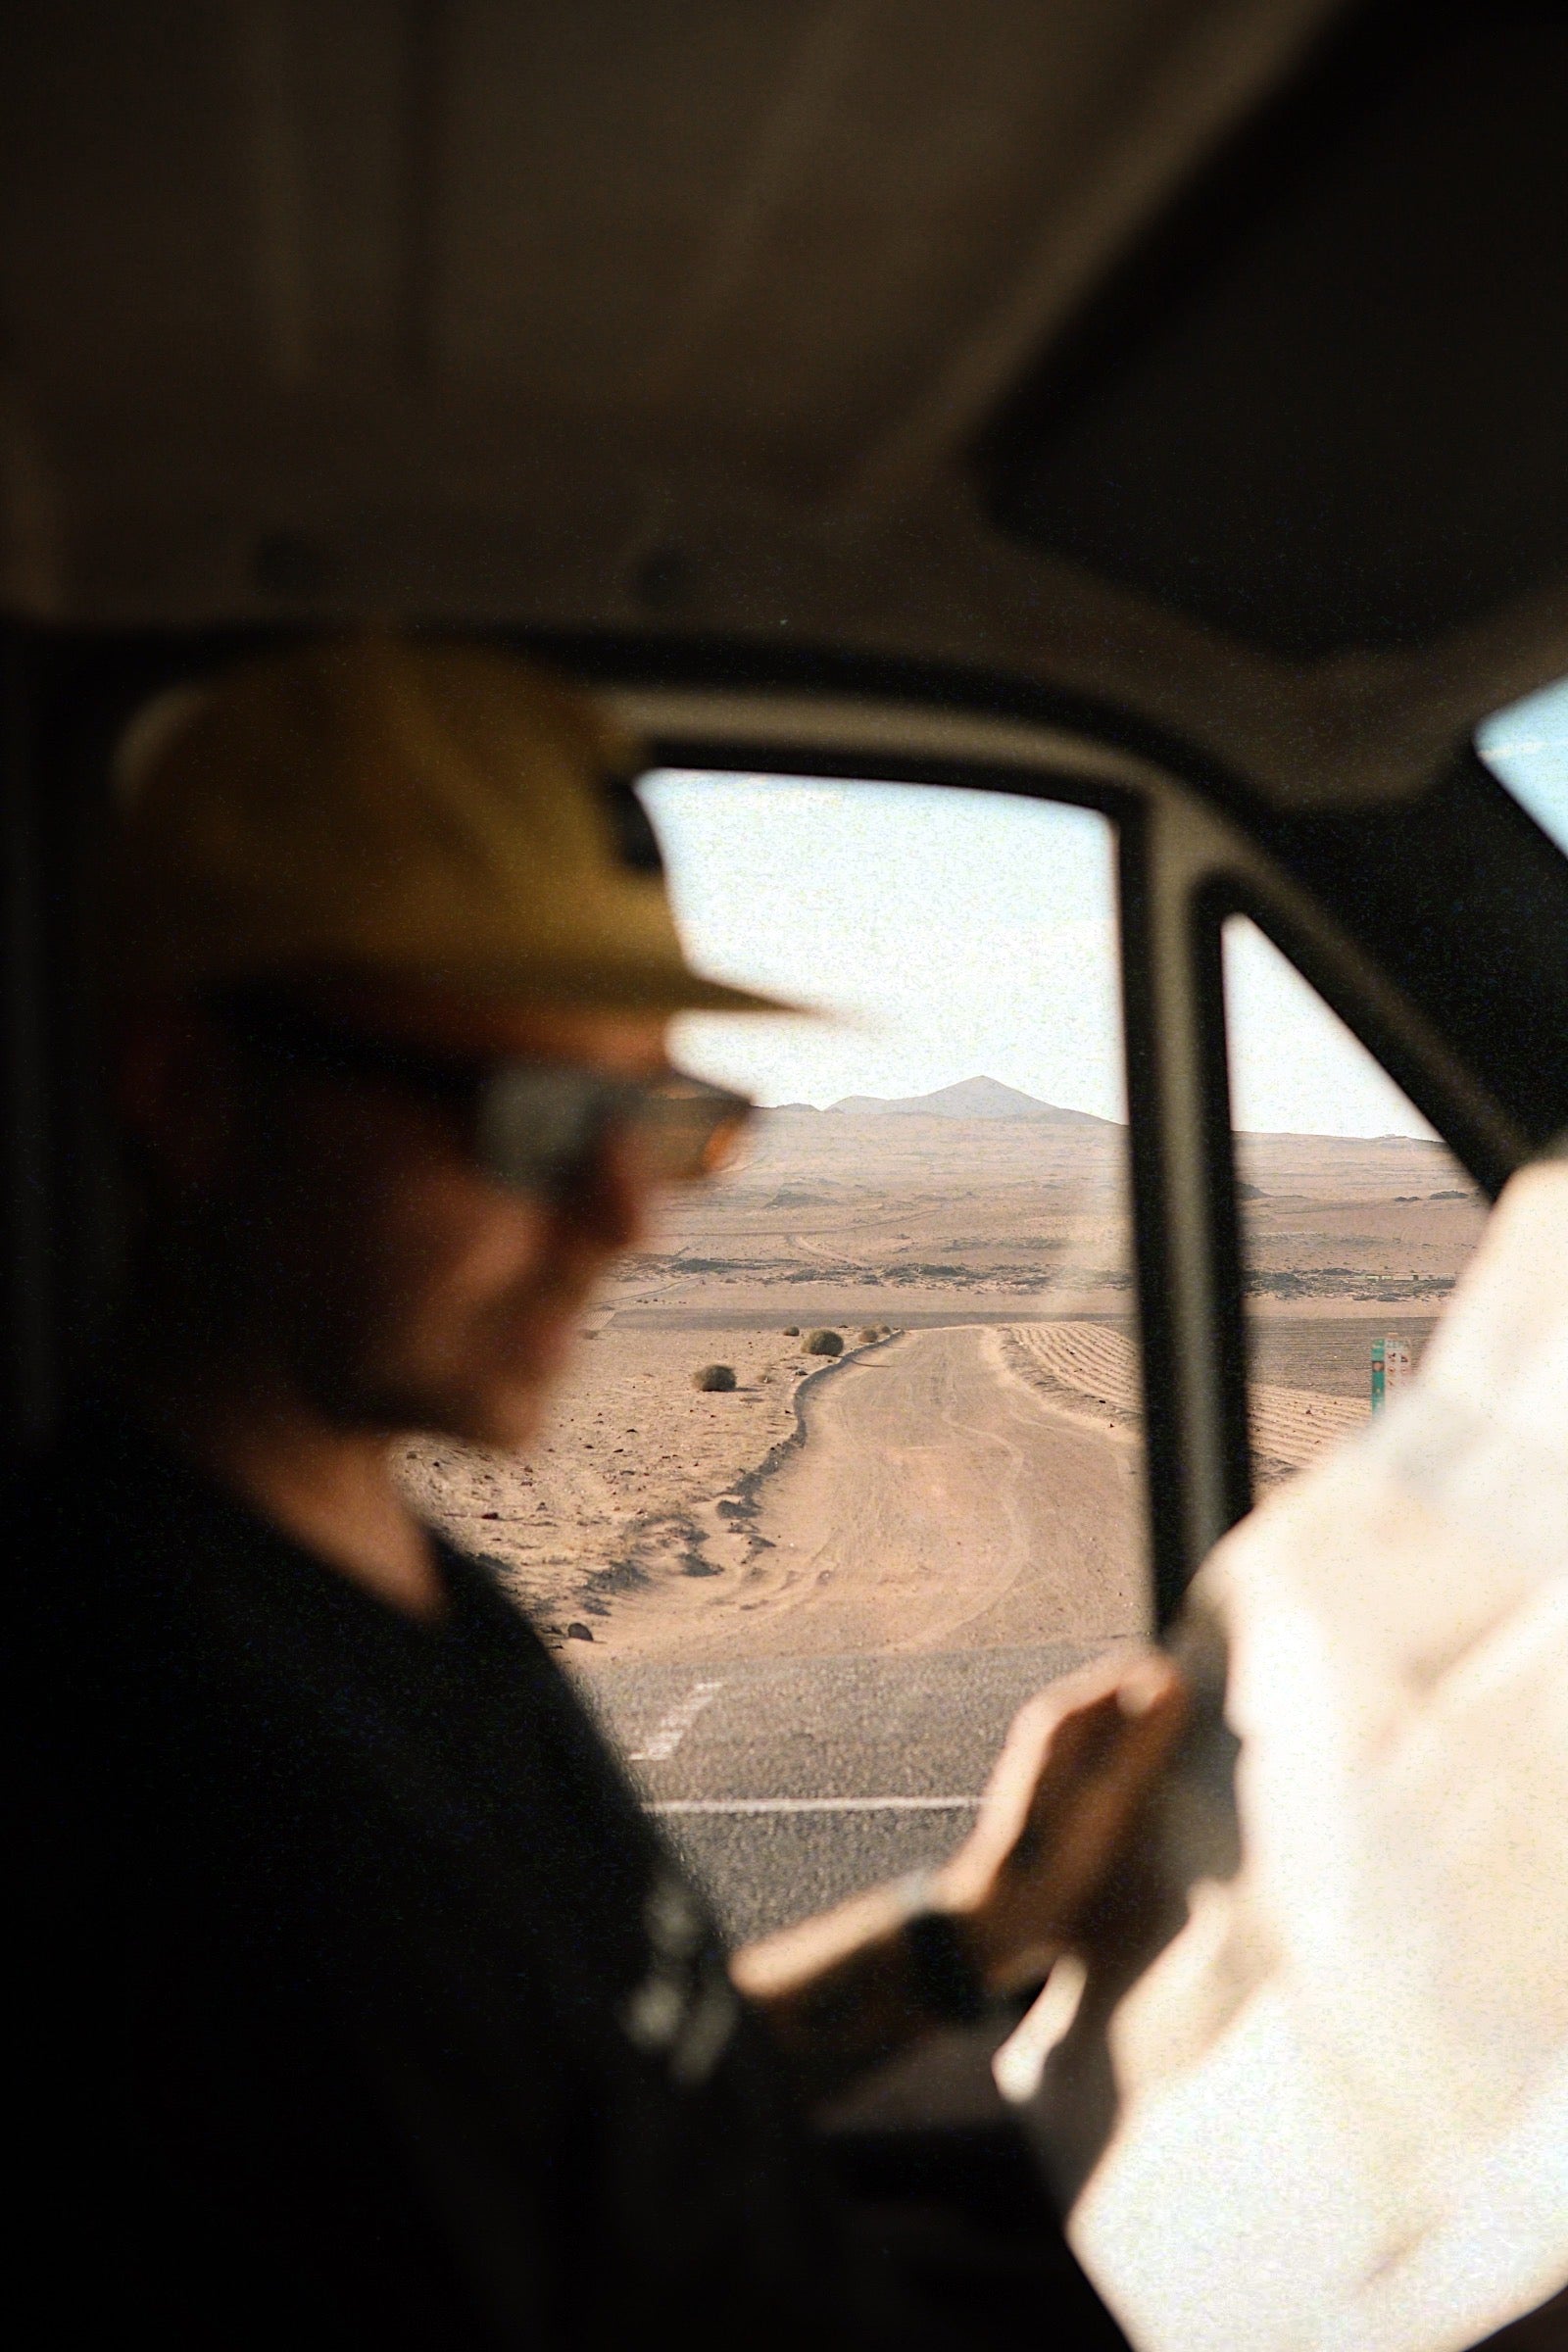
(818, 1804)
(675, 1726)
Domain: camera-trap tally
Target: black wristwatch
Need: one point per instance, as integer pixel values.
(947, 1984)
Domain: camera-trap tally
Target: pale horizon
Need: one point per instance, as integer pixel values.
(1307, 1134)
(943, 933)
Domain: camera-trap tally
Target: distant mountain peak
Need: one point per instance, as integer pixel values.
(967, 1098)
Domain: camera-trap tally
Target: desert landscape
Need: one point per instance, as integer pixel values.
(657, 1517)
(806, 1606)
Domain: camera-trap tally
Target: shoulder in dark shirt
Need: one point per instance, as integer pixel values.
(364, 2002)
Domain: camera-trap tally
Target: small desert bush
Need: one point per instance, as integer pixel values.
(822, 1342)
(792, 1331)
(871, 1331)
(715, 1376)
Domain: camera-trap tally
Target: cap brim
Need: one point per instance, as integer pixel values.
(716, 996)
(612, 987)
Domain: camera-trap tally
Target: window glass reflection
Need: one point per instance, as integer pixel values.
(1356, 1221)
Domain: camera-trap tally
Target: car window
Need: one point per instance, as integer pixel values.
(1355, 1220)
(851, 1459)
(1526, 747)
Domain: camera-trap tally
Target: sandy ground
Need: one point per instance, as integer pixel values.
(936, 1502)
(1386, 1220)
(833, 1214)
(637, 1480)
(1094, 1371)
(923, 1492)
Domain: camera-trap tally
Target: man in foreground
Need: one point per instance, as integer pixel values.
(368, 2006)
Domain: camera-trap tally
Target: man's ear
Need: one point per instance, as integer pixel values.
(177, 1091)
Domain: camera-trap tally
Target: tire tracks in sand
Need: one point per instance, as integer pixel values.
(930, 1497)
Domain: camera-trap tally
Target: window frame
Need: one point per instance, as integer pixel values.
(1187, 1263)
(1183, 865)
(1194, 846)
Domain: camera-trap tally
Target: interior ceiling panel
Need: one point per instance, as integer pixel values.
(772, 221)
(1330, 413)
(575, 216)
(128, 246)
(707, 320)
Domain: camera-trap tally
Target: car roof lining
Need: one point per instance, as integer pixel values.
(699, 323)
(1324, 328)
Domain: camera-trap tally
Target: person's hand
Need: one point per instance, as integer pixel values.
(839, 1993)
(1074, 1773)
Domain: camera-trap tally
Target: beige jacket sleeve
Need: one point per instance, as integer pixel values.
(1322, 2103)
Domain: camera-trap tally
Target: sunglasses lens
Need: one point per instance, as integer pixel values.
(691, 1133)
(537, 1127)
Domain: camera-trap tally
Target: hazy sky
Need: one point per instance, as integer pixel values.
(1528, 747)
(959, 933)
(953, 933)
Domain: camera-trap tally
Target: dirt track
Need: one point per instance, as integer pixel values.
(937, 1503)
(967, 1485)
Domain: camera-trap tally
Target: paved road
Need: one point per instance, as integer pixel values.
(795, 1781)
(941, 1546)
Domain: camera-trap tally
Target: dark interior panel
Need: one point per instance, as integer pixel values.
(1459, 898)
(1325, 410)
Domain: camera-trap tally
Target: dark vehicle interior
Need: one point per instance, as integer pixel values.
(1156, 406)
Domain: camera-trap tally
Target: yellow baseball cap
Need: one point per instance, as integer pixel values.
(371, 805)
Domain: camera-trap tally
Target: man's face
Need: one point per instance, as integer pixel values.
(393, 1282)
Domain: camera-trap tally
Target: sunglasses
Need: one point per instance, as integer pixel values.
(534, 1126)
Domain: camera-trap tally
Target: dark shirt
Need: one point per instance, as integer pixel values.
(361, 2003)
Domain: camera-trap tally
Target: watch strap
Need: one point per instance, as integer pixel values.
(946, 1981)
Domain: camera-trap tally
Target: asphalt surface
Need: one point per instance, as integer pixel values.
(755, 1761)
